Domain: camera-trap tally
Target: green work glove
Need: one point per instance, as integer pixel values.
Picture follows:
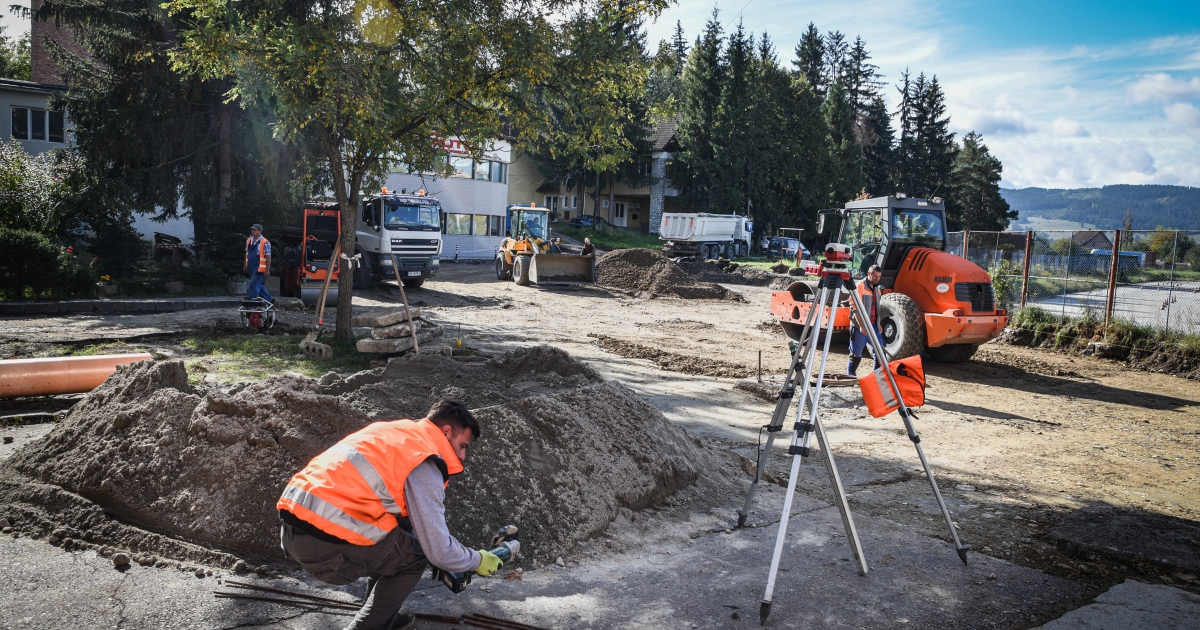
(489, 563)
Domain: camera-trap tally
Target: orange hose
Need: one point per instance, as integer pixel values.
(60, 375)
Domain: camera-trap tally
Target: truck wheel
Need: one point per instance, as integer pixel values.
(414, 283)
(903, 326)
(362, 273)
(503, 270)
(956, 353)
(521, 270)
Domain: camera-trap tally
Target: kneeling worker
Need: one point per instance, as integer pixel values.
(373, 506)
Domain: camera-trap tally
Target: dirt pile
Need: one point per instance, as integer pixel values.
(148, 463)
(732, 273)
(672, 361)
(648, 273)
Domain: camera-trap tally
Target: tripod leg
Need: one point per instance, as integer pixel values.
(786, 392)
(794, 450)
(843, 505)
(906, 417)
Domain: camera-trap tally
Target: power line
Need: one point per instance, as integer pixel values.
(739, 13)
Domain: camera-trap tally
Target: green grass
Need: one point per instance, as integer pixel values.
(610, 238)
(241, 357)
(761, 263)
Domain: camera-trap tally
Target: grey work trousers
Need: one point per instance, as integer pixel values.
(392, 568)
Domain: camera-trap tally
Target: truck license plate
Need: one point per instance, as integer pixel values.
(414, 273)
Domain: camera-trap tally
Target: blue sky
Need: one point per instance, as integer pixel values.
(1067, 94)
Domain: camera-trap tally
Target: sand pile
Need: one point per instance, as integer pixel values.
(649, 273)
(731, 273)
(188, 466)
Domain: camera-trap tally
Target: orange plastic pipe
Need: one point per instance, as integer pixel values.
(60, 375)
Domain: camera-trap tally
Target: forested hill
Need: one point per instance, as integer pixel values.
(1151, 206)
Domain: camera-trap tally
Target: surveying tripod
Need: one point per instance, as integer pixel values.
(835, 278)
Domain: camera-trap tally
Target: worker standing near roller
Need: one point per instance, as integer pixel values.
(588, 248)
(373, 506)
(258, 263)
(870, 292)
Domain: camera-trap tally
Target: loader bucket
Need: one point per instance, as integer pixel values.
(562, 269)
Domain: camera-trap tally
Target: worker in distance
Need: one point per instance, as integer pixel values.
(373, 506)
(869, 292)
(258, 264)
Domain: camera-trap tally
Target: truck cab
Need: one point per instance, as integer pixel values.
(408, 226)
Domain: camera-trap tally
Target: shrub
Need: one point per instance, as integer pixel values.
(31, 266)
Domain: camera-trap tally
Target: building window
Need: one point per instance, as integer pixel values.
(499, 172)
(481, 225)
(633, 217)
(495, 226)
(20, 123)
(574, 202)
(551, 202)
(619, 209)
(459, 224)
(483, 171)
(37, 124)
(461, 167)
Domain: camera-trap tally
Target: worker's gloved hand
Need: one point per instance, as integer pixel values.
(489, 563)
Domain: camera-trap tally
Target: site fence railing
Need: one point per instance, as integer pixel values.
(1154, 281)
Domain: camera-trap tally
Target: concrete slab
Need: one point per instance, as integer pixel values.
(41, 307)
(168, 306)
(1166, 541)
(110, 306)
(1134, 606)
(12, 308)
(198, 303)
(140, 306)
(76, 306)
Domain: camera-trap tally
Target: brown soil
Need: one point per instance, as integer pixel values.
(148, 463)
(670, 360)
(650, 274)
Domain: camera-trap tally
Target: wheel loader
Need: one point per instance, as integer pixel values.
(939, 304)
(528, 255)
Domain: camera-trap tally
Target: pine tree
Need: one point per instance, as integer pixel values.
(925, 155)
(734, 134)
(810, 59)
(1127, 221)
(875, 136)
(977, 203)
(836, 53)
(695, 167)
(861, 79)
(845, 154)
(679, 47)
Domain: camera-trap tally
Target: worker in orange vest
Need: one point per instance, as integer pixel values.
(869, 292)
(373, 506)
(258, 263)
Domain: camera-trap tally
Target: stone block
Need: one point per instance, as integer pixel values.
(396, 346)
(195, 304)
(12, 308)
(110, 306)
(396, 331)
(140, 306)
(383, 317)
(76, 306)
(167, 306)
(41, 307)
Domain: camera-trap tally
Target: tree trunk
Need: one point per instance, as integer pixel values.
(344, 190)
(224, 160)
(611, 185)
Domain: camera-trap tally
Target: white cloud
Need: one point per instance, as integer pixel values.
(1072, 93)
(1163, 87)
(1183, 114)
(1002, 118)
(1067, 128)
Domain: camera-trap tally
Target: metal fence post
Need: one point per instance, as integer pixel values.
(966, 233)
(1171, 280)
(1067, 276)
(1025, 271)
(1112, 276)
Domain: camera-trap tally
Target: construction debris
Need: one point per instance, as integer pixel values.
(384, 317)
(391, 331)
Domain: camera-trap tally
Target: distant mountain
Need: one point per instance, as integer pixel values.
(1175, 207)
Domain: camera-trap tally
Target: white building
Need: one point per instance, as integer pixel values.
(473, 200)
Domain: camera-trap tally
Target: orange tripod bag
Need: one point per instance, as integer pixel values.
(878, 394)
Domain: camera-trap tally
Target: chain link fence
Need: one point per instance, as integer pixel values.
(1155, 281)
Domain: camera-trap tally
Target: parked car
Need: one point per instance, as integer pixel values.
(782, 248)
(588, 220)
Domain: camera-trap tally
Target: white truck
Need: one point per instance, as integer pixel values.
(409, 226)
(705, 235)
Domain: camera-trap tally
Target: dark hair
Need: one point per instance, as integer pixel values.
(451, 412)
(875, 268)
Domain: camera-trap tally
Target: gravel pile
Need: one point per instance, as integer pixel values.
(149, 464)
(649, 273)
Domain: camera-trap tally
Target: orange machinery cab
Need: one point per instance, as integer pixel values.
(308, 254)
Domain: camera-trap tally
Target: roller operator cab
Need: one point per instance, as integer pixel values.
(938, 303)
(406, 225)
(307, 254)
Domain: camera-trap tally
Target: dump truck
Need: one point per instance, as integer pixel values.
(528, 255)
(939, 304)
(405, 225)
(706, 236)
(308, 254)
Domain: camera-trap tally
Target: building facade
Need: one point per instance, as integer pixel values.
(473, 199)
(636, 208)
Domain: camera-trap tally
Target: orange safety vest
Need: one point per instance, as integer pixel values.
(355, 490)
(878, 394)
(262, 253)
(870, 299)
